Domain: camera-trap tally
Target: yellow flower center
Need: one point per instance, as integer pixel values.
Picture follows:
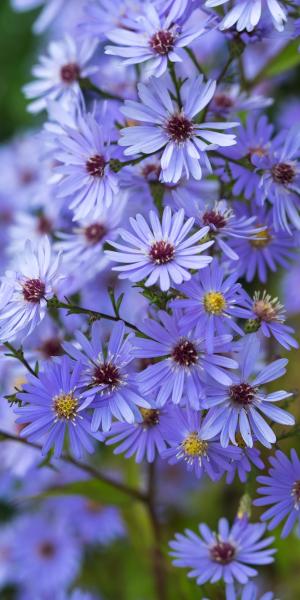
(263, 238)
(65, 405)
(193, 445)
(214, 303)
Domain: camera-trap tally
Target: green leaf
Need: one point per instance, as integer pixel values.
(288, 58)
(95, 490)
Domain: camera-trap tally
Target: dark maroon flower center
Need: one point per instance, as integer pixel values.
(27, 176)
(33, 290)
(242, 393)
(107, 374)
(70, 73)
(46, 550)
(44, 225)
(223, 553)
(162, 252)
(95, 233)
(151, 172)
(213, 218)
(51, 347)
(179, 128)
(162, 42)
(184, 353)
(223, 101)
(283, 173)
(95, 165)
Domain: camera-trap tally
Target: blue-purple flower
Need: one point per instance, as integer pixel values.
(58, 73)
(183, 364)
(160, 251)
(85, 175)
(110, 383)
(157, 39)
(241, 407)
(281, 490)
(173, 128)
(53, 409)
(247, 592)
(246, 14)
(225, 555)
(197, 446)
(24, 292)
(144, 439)
(211, 303)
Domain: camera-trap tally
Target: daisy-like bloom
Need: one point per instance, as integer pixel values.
(161, 251)
(197, 446)
(86, 178)
(53, 408)
(281, 490)
(58, 73)
(184, 361)
(230, 100)
(24, 293)
(246, 592)
(246, 14)
(267, 250)
(211, 303)
(223, 222)
(46, 555)
(267, 315)
(225, 555)
(83, 247)
(157, 39)
(109, 380)
(241, 407)
(173, 127)
(145, 439)
(101, 16)
(280, 181)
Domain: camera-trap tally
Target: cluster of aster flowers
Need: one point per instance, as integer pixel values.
(142, 230)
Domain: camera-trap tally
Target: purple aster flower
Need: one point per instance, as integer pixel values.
(280, 181)
(228, 101)
(242, 406)
(160, 252)
(82, 249)
(157, 39)
(184, 362)
(86, 177)
(145, 439)
(246, 592)
(47, 556)
(173, 127)
(24, 293)
(225, 555)
(101, 16)
(281, 490)
(110, 382)
(58, 73)
(268, 250)
(267, 316)
(197, 446)
(224, 223)
(246, 14)
(211, 303)
(53, 408)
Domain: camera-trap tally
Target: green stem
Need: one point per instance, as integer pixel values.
(158, 559)
(95, 473)
(19, 355)
(176, 84)
(87, 85)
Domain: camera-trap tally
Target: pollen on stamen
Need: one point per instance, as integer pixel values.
(223, 552)
(185, 353)
(33, 290)
(214, 303)
(193, 447)
(161, 252)
(262, 238)
(179, 128)
(95, 166)
(65, 406)
(268, 309)
(150, 416)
